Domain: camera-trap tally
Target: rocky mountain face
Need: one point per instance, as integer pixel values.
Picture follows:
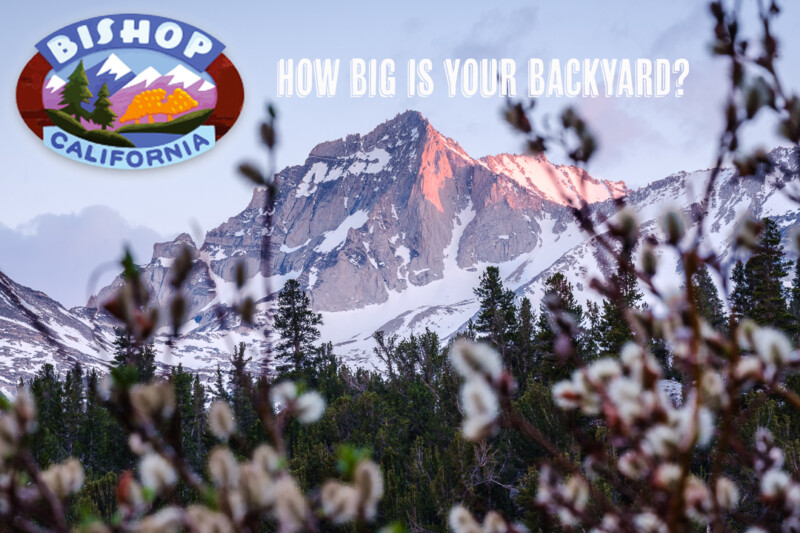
(391, 231)
(34, 329)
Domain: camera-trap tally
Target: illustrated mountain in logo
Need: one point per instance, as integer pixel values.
(54, 84)
(144, 78)
(112, 72)
(124, 84)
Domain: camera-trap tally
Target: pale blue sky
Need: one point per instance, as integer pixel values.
(641, 139)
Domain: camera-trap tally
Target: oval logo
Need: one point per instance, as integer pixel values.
(130, 92)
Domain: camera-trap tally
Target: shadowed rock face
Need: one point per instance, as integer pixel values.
(390, 230)
(369, 215)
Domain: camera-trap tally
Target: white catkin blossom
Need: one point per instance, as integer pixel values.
(666, 476)
(793, 498)
(481, 409)
(649, 522)
(268, 459)
(368, 480)
(223, 467)
(565, 500)
(167, 520)
(290, 508)
(626, 394)
(283, 393)
(64, 479)
(471, 359)
(156, 473)
(566, 395)
(774, 483)
(339, 502)
(749, 368)
(697, 498)
(714, 392)
(220, 420)
(604, 370)
(726, 493)
(493, 522)
(705, 426)
(138, 445)
(609, 524)
(256, 486)
(661, 440)
(155, 399)
(633, 465)
(237, 505)
(204, 520)
(10, 434)
(25, 407)
(309, 407)
(773, 347)
(462, 521)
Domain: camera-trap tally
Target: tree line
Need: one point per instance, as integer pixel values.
(407, 417)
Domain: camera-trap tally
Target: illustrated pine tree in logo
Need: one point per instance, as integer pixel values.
(75, 93)
(102, 114)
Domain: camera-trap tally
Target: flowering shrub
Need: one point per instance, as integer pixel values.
(622, 450)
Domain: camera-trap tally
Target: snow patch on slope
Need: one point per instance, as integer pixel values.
(335, 238)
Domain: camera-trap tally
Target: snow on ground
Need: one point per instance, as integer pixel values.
(554, 183)
(334, 238)
(285, 249)
(443, 305)
(317, 174)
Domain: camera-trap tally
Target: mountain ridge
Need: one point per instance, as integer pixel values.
(391, 230)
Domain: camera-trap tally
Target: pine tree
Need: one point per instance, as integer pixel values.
(73, 408)
(521, 361)
(615, 329)
(741, 293)
(559, 291)
(219, 393)
(75, 93)
(297, 325)
(177, 433)
(140, 358)
(240, 383)
(196, 447)
(47, 444)
(103, 115)
(496, 319)
(794, 299)
(707, 300)
(764, 272)
(592, 334)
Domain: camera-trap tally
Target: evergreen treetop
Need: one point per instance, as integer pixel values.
(75, 93)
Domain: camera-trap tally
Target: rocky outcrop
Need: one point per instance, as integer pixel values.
(391, 230)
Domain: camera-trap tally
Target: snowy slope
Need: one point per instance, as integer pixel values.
(391, 231)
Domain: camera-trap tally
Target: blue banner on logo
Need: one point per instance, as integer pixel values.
(178, 150)
(169, 36)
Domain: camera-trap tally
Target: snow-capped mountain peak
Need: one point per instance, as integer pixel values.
(564, 185)
(148, 76)
(182, 75)
(114, 65)
(54, 83)
(391, 230)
